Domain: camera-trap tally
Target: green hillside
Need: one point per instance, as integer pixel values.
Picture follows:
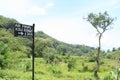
(64, 47)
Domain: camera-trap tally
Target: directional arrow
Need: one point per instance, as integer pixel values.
(21, 33)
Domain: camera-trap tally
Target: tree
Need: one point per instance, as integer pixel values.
(119, 48)
(101, 22)
(62, 49)
(41, 46)
(7, 23)
(113, 49)
(108, 50)
(11, 49)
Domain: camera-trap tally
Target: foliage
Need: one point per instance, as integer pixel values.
(71, 64)
(42, 46)
(10, 49)
(91, 59)
(100, 22)
(59, 71)
(53, 58)
(60, 47)
(113, 55)
(7, 23)
(55, 69)
(28, 66)
(116, 75)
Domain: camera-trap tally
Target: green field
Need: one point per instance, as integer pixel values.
(81, 69)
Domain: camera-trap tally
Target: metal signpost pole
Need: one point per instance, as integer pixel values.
(33, 53)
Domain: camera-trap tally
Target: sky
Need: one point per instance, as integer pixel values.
(64, 19)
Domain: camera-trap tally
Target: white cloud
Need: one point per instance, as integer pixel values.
(35, 10)
(113, 2)
(22, 8)
(101, 5)
(49, 5)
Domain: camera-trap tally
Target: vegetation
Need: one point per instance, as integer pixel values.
(82, 70)
(54, 60)
(60, 47)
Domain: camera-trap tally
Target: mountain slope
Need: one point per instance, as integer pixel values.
(65, 47)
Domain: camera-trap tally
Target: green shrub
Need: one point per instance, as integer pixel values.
(102, 62)
(107, 77)
(55, 69)
(28, 66)
(53, 58)
(66, 59)
(71, 64)
(85, 68)
(2, 74)
(116, 74)
(1, 61)
(83, 64)
(91, 59)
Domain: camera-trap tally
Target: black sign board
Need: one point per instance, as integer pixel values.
(23, 30)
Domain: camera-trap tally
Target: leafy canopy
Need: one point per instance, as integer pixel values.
(100, 22)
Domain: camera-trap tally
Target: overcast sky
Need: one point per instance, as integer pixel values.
(63, 19)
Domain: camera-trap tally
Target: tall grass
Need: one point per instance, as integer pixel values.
(80, 69)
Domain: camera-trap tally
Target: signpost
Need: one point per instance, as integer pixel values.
(23, 30)
(26, 31)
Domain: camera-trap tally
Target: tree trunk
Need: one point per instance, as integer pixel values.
(97, 58)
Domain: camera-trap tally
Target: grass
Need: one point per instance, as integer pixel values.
(83, 70)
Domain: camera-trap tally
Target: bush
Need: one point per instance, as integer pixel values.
(71, 64)
(1, 61)
(28, 66)
(91, 59)
(102, 62)
(85, 68)
(55, 69)
(107, 77)
(53, 58)
(66, 59)
(2, 74)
